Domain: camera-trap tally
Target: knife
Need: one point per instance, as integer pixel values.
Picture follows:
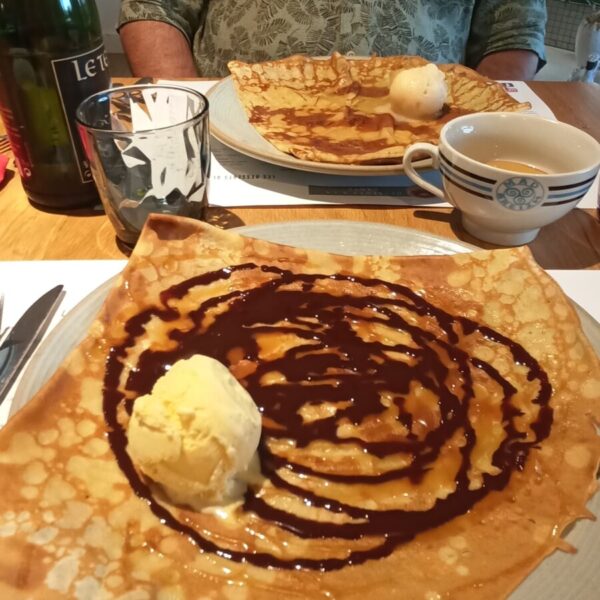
(25, 336)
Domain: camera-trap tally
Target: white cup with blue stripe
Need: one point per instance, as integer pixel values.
(508, 173)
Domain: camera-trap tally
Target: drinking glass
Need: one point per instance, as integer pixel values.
(148, 147)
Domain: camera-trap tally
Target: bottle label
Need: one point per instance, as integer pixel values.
(78, 77)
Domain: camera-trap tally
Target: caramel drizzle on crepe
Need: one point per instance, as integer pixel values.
(333, 364)
(334, 110)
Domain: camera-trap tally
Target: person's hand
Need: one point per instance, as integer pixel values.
(518, 65)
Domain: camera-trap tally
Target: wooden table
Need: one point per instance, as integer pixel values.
(573, 242)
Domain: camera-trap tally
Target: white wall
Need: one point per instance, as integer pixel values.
(109, 13)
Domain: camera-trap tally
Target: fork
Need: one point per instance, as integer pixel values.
(4, 144)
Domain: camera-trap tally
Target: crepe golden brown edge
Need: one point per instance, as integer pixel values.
(300, 105)
(70, 526)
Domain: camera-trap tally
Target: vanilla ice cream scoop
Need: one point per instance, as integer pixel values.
(418, 93)
(196, 434)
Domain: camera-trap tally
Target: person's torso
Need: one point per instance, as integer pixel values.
(258, 30)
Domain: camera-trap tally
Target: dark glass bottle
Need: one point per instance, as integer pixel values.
(51, 58)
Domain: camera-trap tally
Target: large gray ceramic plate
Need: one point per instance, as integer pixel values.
(559, 577)
(229, 124)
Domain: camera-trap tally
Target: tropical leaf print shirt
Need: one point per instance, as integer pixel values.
(448, 31)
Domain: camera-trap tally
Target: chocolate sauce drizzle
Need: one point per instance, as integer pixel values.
(341, 367)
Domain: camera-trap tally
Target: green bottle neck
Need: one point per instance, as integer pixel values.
(50, 25)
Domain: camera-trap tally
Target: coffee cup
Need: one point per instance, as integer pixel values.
(509, 173)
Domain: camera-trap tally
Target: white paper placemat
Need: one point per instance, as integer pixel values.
(238, 180)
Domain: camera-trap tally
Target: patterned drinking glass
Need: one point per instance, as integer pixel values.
(148, 147)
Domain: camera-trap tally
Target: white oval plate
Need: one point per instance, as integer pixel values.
(560, 576)
(229, 124)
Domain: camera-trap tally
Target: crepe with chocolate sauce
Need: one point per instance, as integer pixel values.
(333, 110)
(428, 428)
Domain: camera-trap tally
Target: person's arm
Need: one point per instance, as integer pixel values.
(157, 49)
(506, 40)
(157, 36)
(520, 65)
